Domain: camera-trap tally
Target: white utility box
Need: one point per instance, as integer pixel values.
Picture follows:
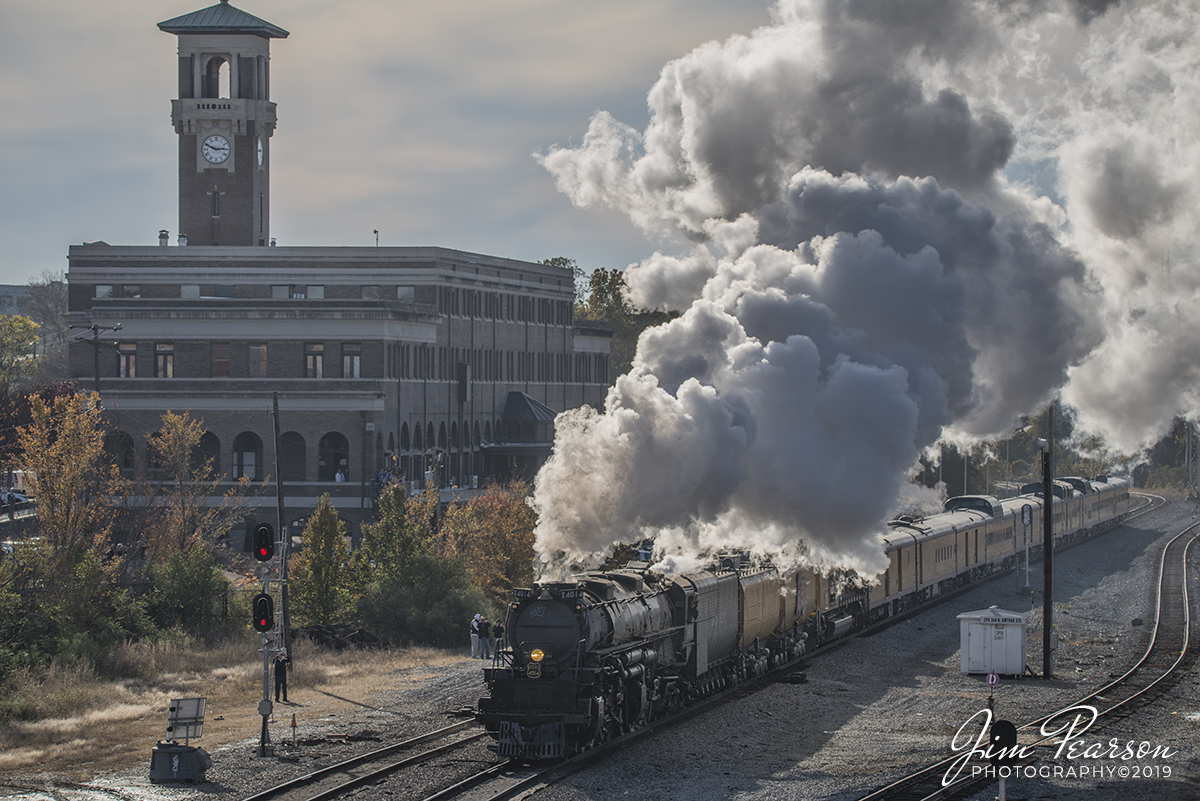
(993, 641)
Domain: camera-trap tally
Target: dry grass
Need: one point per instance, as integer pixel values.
(75, 724)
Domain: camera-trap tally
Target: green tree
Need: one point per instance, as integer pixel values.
(18, 347)
(320, 575)
(607, 302)
(186, 589)
(399, 534)
(429, 602)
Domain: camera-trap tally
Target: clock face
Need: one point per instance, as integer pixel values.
(215, 149)
(260, 152)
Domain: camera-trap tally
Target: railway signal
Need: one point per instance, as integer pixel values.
(263, 614)
(264, 542)
(1003, 743)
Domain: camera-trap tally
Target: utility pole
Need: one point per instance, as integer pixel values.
(285, 539)
(96, 345)
(1048, 548)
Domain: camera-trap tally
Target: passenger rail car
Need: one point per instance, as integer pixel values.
(608, 651)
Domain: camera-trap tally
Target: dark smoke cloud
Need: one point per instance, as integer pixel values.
(862, 280)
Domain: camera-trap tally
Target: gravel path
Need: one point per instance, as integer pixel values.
(870, 709)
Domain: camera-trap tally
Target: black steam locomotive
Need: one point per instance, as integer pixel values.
(594, 657)
(609, 651)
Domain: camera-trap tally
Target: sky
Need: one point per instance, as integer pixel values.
(420, 120)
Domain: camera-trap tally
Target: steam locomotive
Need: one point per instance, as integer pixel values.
(608, 651)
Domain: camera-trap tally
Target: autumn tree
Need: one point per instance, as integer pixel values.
(67, 470)
(492, 534)
(18, 347)
(182, 519)
(320, 574)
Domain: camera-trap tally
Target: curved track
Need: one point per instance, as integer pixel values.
(1157, 669)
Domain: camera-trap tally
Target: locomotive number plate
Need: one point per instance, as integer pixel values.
(533, 670)
(570, 594)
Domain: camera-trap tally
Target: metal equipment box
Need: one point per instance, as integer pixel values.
(993, 641)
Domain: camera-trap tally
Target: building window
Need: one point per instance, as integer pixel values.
(351, 360)
(127, 360)
(314, 360)
(247, 455)
(189, 291)
(283, 291)
(408, 294)
(131, 291)
(370, 292)
(224, 291)
(316, 291)
(164, 360)
(220, 360)
(258, 361)
(104, 290)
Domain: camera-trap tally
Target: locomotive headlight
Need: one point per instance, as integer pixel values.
(537, 655)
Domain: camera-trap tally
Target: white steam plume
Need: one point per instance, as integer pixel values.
(864, 277)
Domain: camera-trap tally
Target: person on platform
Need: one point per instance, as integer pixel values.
(475, 637)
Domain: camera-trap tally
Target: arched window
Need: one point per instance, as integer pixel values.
(441, 440)
(206, 456)
(293, 457)
(119, 447)
(216, 78)
(454, 435)
(429, 440)
(404, 437)
(475, 439)
(333, 456)
(487, 431)
(247, 455)
(418, 445)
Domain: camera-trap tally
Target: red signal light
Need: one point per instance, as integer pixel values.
(264, 542)
(263, 612)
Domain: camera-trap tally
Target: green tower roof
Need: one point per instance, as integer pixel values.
(222, 18)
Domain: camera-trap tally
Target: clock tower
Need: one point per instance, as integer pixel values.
(224, 119)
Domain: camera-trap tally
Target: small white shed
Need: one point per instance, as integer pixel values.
(993, 641)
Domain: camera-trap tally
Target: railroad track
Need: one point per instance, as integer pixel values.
(337, 780)
(1155, 672)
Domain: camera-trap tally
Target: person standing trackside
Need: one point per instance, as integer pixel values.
(475, 637)
(498, 635)
(485, 639)
(281, 670)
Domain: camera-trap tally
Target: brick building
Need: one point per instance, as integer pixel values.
(415, 359)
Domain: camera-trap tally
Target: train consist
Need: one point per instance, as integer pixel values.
(608, 651)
